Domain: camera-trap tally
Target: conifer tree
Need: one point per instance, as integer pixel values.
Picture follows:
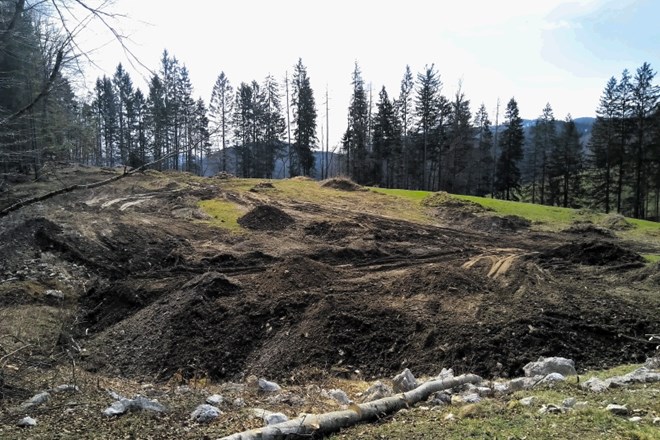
(386, 140)
(405, 110)
(427, 109)
(507, 178)
(645, 103)
(356, 136)
(544, 138)
(566, 165)
(304, 117)
(484, 156)
(603, 147)
(221, 110)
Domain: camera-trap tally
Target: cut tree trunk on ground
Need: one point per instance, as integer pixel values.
(314, 424)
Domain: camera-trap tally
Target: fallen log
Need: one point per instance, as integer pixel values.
(314, 424)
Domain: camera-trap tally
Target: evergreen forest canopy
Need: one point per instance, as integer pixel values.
(412, 138)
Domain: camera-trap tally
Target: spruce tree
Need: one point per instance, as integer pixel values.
(544, 138)
(427, 109)
(405, 110)
(459, 145)
(507, 177)
(645, 102)
(603, 147)
(220, 114)
(566, 165)
(484, 156)
(304, 117)
(356, 145)
(386, 140)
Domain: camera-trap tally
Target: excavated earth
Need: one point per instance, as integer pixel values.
(153, 290)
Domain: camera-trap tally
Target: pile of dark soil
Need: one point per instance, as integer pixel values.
(587, 229)
(342, 184)
(266, 218)
(493, 223)
(591, 253)
(297, 272)
(332, 231)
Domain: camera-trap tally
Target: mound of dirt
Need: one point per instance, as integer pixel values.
(332, 231)
(589, 229)
(451, 206)
(617, 222)
(493, 223)
(591, 253)
(297, 272)
(262, 186)
(649, 274)
(342, 184)
(266, 218)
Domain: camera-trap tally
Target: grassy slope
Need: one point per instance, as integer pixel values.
(551, 218)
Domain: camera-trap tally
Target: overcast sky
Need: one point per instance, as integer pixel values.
(561, 52)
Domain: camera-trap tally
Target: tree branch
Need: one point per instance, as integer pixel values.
(44, 91)
(41, 198)
(311, 425)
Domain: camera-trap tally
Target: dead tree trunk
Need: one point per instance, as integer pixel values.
(313, 424)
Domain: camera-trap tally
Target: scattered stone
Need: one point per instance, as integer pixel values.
(36, 400)
(528, 401)
(595, 385)
(286, 398)
(581, 405)
(215, 399)
(441, 398)
(617, 410)
(268, 387)
(234, 387)
(404, 381)
(484, 391)
(446, 373)
(640, 375)
(183, 389)
(57, 294)
(238, 402)
(376, 391)
(471, 398)
(523, 383)
(550, 409)
(340, 396)
(205, 413)
(553, 378)
(140, 403)
(656, 421)
(67, 388)
(26, 422)
(450, 416)
(115, 395)
(635, 419)
(274, 418)
(569, 403)
(546, 366)
(502, 387)
(653, 363)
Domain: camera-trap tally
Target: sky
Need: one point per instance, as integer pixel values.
(557, 52)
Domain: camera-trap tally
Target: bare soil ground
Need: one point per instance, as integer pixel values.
(309, 288)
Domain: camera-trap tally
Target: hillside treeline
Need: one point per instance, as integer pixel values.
(414, 137)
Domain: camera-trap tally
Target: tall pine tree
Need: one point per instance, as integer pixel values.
(507, 177)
